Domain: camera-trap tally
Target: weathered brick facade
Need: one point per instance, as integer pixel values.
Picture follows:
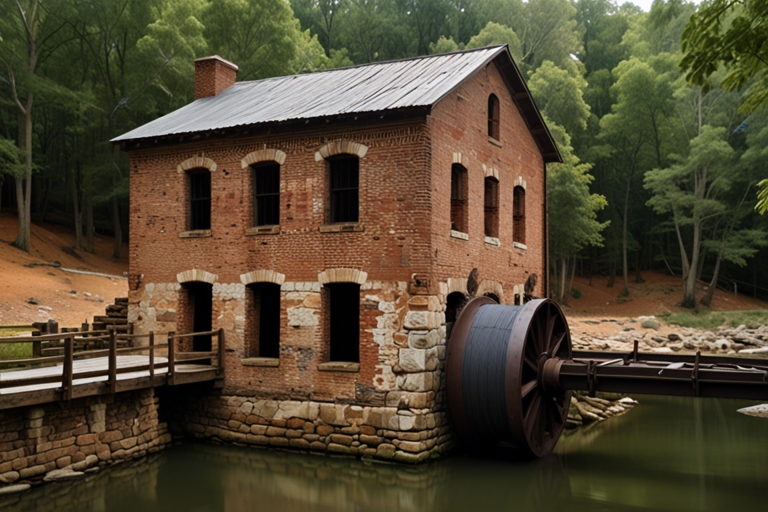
(401, 251)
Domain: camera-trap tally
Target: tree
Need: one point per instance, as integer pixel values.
(573, 222)
(493, 34)
(733, 33)
(560, 95)
(762, 197)
(691, 190)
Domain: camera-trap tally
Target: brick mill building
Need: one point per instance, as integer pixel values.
(328, 223)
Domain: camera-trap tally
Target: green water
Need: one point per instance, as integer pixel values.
(666, 454)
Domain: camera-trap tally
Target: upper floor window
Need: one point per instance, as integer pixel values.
(344, 185)
(491, 207)
(518, 215)
(459, 198)
(199, 199)
(266, 194)
(493, 117)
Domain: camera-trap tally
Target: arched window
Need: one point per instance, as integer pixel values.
(453, 305)
(491, 207)
(459, 198)
(199, 193)
(344, 181)
(518, 215)
(266, 193)
(493, 117)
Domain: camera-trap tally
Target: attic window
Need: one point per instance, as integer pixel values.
(266, 194)
(199, 199)
(493, 117)
(344, 185)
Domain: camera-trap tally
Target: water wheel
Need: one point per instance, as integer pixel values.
(494, 375)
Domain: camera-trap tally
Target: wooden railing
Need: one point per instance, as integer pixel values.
(75, 347)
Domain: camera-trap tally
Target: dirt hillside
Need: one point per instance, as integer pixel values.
(66, 297)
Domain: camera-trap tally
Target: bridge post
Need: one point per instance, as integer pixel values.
(112, 379)
(151, 355)
(171, 362)
(221, 352)
(66, 376)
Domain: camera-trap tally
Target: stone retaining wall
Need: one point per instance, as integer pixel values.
(403, 434)
(63, 440)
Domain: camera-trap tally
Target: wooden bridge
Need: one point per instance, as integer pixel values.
(104, 362)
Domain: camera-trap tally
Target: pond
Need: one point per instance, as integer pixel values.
(666, 454)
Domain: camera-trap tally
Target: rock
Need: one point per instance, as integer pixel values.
(62, 474)
(11, 489)
(759, 411)
(674, 336)
(650, 324)
(762, 350)
(628, 401)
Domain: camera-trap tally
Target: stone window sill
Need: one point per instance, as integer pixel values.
(262, 230)
(195, 233)
(492, 240)
(272, 362)
(518, 245)
(459, 235)
(341, 227)
(495, 142)
(339, 366)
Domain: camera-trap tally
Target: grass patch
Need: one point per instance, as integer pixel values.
(713, 319)
(9, 351)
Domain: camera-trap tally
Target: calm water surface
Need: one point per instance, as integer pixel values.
(666, 454)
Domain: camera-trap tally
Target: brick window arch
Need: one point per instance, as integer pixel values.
(518, 215)
(491, 207)
(459, 201)
(493, 117)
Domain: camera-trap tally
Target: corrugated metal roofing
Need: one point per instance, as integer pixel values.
(418, 82)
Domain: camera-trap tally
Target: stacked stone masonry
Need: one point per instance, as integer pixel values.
(43, 442)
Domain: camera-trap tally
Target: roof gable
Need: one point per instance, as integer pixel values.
(393, 85)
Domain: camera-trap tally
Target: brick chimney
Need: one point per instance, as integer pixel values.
(213, 75)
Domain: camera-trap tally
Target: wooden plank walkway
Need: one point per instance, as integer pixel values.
(81, 372)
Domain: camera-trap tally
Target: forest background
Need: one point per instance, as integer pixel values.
(661, 160)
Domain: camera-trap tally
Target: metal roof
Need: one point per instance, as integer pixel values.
(407, 83)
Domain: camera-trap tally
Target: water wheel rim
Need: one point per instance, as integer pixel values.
(536, 419)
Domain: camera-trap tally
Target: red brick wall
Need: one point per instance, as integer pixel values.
(212, 76)
(459, 123)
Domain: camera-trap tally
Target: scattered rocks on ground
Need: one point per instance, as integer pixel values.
(61, 474)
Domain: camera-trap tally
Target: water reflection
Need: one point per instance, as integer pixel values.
(667, 454)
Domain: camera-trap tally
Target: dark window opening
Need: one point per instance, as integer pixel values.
(200, 309)
(518, 215)
(200, 199)
(266, 194)
(459, 198)
(344, 184)
(263, 320)
(491, 207)
(493, 116)
(493, 296)
(344, 314)
(453, 305)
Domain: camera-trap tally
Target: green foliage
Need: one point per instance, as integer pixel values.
(493, 34)
(711, 320)
(443, 45)
(575, 293)
(762, 197)
(560, 96)
(573, 222)
(733, 33)
(11, 160)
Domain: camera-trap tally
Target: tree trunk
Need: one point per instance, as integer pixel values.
(118, 229)
(563, 279)
(611, 273)
(707, 298)
(624, 268)
(570, 282)
(89, 230)
(638, 277)
(24, 195)
(76, 212)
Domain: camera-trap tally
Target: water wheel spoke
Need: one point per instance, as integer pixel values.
(527, 388)
(531, 364)
(550, 329)
(557, 342)
(532, 416)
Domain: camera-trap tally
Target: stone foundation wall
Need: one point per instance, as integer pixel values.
(63, 440)
(400, 433)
